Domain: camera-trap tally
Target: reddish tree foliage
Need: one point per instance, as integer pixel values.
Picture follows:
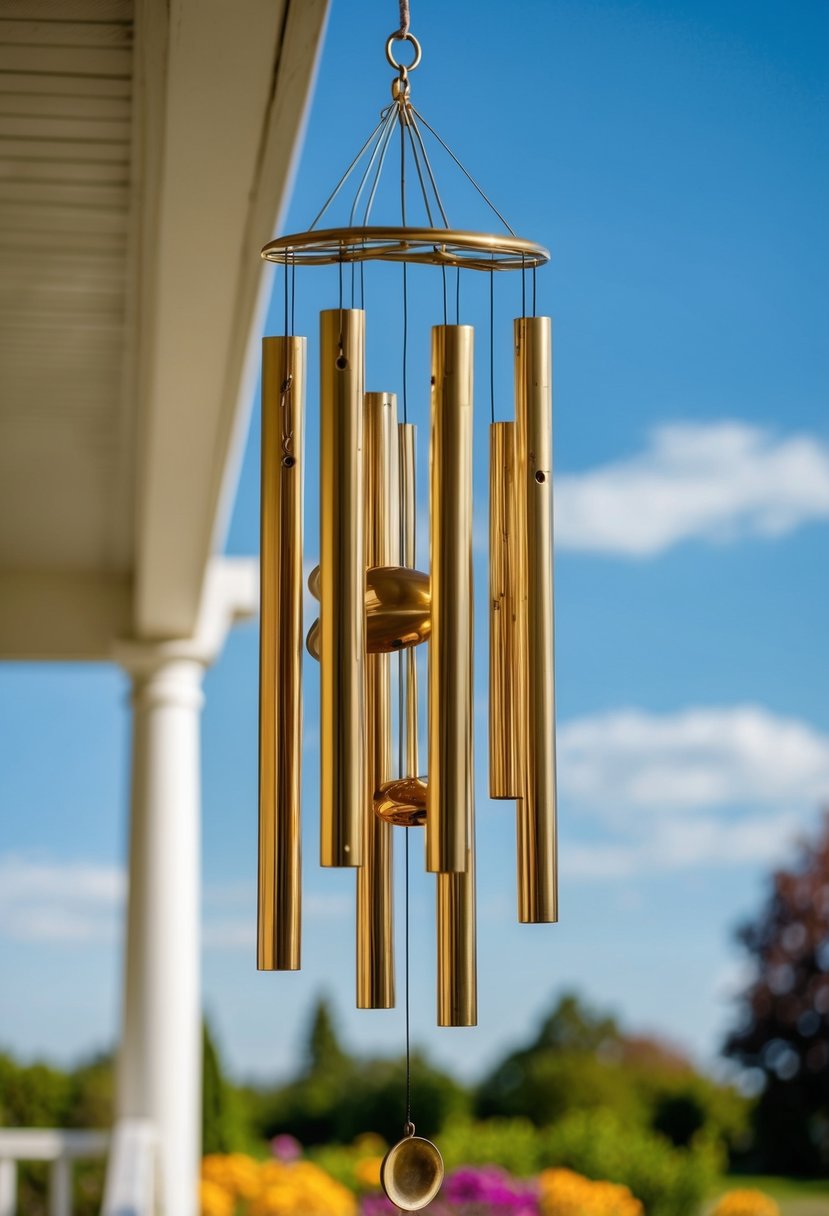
(784, 1027)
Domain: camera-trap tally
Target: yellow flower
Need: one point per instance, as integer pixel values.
(367, 1171)
(214, 1200)
(746, 1203)
(235, 1172)
(565, 1193)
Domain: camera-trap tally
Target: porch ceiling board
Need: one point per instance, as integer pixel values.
(146, 152)
(238, 82)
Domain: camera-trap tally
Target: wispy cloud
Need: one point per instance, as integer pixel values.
(706, 786)
(59, 901)
(717, 482)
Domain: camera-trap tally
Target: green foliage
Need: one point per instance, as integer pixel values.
(668, 1180)
(544, 1085)
(580, 1061)
(227, 1109)
(338, 1098)
(33, 1095)
(513, 1144)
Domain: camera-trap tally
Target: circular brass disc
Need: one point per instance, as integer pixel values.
(435, 246)
(412, 1173)
(402, 801)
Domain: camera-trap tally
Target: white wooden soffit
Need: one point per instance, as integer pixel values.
(222, 91)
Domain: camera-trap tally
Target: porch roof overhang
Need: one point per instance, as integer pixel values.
(146, 154)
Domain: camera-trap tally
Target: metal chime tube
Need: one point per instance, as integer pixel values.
(342, 587)
(280, 655)
(451, 784)
(408, 556)
(375, 919)
(506, 692)
(457, 927)
(537, 866)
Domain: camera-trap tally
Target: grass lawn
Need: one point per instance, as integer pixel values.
(795, 1196)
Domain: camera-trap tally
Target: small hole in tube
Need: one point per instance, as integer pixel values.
(342, 362)
(540, 477)
(288, 462)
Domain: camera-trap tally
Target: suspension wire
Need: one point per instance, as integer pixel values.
(416, 159)
(383, 116)
(388, 121)
(523, 287)
(413, 115)
(458, 298)
(492, 345)
(464, 170)
(404, 17)
(387, 135)
(534, 291)
(293, 296)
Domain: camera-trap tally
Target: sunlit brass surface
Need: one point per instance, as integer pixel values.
(280, 655)
(457, 934)
(411, 1173)
(451, 784)
(408, 556)
(398, 610)
(375, 905)
(342, 588)
(537, 866)
(435, 246)
(506, 694)
(402, 801)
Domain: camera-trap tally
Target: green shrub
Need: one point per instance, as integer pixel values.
(512, 1144)
(670, 1181)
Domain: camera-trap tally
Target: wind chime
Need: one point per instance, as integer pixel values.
(374, 603)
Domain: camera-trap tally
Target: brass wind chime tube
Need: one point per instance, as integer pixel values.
(375, 909)
(280, 655)
(457, 929)
(457, 947)
(506, 685)
(537, 863)
(408, 555)
(342, 587)
(451, 782)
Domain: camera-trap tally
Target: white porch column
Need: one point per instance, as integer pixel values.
(159, 1066)
(159, 1071)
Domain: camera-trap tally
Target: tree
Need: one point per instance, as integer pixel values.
(783, 1031)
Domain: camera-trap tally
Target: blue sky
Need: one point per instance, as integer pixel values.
(670, 155)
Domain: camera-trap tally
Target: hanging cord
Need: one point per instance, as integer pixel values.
(409, 1124)
(405, 16)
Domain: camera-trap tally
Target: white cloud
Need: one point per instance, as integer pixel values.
(697, 758)
(702, 787)
(49, 900)
(59, 901)
(717, 482)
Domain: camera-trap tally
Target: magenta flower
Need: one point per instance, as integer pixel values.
(286, 1148)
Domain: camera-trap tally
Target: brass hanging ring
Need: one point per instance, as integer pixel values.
(397, 36)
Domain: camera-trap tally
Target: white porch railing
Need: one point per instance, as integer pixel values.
(130, 1188)
(62, 1148)
(132, 1170)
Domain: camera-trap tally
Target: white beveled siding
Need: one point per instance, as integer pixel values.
(65, 151)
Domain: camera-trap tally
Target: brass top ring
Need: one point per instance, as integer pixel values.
(435, 246)
(397, 36)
